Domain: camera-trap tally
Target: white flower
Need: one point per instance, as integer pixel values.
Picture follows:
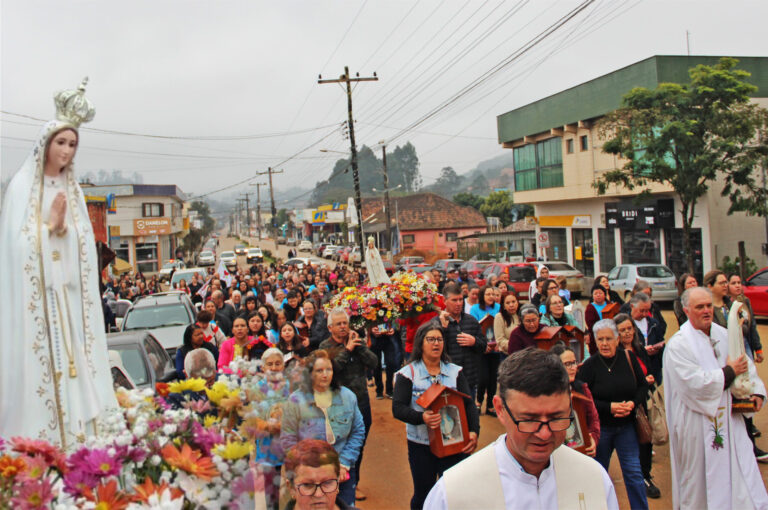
(155, 460)
(159, 502)
(225, 496)
(169, 429)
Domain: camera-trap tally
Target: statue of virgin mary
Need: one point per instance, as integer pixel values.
(375, 266)
(55, 378)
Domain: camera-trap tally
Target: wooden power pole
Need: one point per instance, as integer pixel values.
(345, 78)
(272, 193)
(258, 205)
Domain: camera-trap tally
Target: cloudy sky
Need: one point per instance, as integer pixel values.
(204, 94)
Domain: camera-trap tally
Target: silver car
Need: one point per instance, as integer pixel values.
(229, 258)
(622, 278)
(574, 278)
(206, 258)
(141, 358)
(166, 315)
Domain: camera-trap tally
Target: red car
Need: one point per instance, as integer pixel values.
(475, 268)
(521, 274)
(756, 289)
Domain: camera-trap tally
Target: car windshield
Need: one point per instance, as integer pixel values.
(228, 254)
(206, 254)
(156, 317)
(133, 363)
(521, 274)
(170, 265)
(559, 266)
(254, 250)
(240, 246)
(654, 272)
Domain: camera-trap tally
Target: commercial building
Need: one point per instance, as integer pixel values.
(558, 158)
(145, 222)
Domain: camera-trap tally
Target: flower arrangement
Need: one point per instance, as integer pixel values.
(191, 448)
(407, 295)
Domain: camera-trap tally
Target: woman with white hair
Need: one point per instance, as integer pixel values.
(618, 387)
(200, 364)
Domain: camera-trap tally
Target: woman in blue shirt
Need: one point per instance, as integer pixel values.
(489, 362)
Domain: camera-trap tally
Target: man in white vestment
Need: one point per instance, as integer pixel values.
(528, 467)
(713, 466)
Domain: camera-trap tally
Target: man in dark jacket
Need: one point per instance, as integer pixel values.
(650, 331)
(225, 313)
(354, 360)
(464, 340)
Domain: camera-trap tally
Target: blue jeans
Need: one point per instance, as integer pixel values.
(623, 439)
(347, 489)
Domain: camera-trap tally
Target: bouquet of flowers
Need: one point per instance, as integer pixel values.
(413, 294)
(190, 447)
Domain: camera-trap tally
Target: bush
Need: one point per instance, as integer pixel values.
(729, 266)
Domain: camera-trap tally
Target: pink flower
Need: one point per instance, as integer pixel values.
(205, 438)
(32, 495)
(36, 468)
(35, 447)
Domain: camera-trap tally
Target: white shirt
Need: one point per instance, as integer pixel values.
(642, 325)
(521, 490)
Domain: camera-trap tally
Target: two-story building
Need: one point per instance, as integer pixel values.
(558, 158)
(145, 222)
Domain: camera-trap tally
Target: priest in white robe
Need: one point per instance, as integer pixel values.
(713, 466)
(55, 379)
(528, 467)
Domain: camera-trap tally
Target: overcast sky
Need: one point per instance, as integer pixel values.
(245, 69)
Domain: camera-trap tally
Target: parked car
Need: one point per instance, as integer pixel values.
(206, 258)
(419, 267)
(281, 240)
(409, 260)
(186, 275)
(475, 268)
(574, 277)
(299, 262)
(344, 254)
(119, 307)
(445, 265)
(254, 255)
(336, 254)
(172, 265)
(142, 357)
(354, 256)
(166, 315)
(756, 289)
(240, 249)
(291, 241)
(329, 250)
(229, 258)
(305, 245)
(321, 248)
(389, 267)
(521, 274)
(120, 376)
(663, 282)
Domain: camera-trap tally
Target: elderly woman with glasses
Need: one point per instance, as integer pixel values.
(522, 336)
(429, 365)
(312, 469)
(618, 386)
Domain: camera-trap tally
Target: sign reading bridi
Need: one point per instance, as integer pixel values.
(151, 226)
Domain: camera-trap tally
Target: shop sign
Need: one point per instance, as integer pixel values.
(629, 215)
(566, 220)
(151, 226)
(334, 216)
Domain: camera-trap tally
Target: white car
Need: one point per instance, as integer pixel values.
(254, 255)
(330, 250)
(165, 273)
(299, 262)
(305, 245)
(229, 258)
(206, 258)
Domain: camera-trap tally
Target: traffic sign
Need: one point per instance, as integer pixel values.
(543, 239)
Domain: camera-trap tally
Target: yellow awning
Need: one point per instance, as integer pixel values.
(120, 266)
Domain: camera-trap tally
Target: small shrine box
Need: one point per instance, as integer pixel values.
(577, 436)
(453, 434)
(571, 336)
(611, 310)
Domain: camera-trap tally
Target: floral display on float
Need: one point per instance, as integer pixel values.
(190, 446)
(409, 294)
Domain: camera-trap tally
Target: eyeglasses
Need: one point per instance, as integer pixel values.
(309, 489)
(570, 364)
(533, 426)
(433, 339)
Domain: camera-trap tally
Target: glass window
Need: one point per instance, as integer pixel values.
(607, 248)
(408, 239)
(640, 246)
(134, 364)
(557, 244)
(451, 236)
(676, 259)
(569, 146)
(584, 142)
(539, 165)
(157, 357)
(760, 279)
(654, 272)
(152, 210)
(614, 273)
(583, 251)
(146, 257)
(150, 317)
(623, 273)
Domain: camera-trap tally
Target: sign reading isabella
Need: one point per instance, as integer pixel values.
(151, 226)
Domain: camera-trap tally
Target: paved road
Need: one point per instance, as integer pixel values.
(386, 478)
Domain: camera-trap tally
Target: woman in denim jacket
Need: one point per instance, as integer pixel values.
(323, 409)
(429, 365)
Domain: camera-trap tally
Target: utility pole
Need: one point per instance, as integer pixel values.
(386, 196)
(240, 214)
(355, 176)
(248, 211)
(258, 205)
(272, 193)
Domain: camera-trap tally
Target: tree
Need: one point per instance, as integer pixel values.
(448, 181)
(469, 199)
(195, 237)
(500, 205)
(479, 184)
(403, 168)
(688, 136)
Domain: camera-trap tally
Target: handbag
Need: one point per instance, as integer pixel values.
(642, 425)
(657, 416)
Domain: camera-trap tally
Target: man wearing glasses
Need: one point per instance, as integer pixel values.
(528, 467)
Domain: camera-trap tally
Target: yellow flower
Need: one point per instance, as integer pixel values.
(219, 391)
(210, 421)
(194, 384)
(233, 450)
(419, 308)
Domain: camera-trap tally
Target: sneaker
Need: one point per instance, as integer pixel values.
(651, 490)
(379, 397)
(760, 455)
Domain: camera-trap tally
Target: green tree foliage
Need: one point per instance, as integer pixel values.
(193, 241)
(689, 136)
(469, 199)
(479, 185)
(500, 205)
(448, 182)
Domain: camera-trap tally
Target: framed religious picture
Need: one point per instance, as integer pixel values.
(571, 336)
(611, 310)
(453, 434)
(577, 436)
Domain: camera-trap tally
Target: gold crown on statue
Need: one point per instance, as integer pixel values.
(72, 107)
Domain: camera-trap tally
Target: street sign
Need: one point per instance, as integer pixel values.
(543, 239)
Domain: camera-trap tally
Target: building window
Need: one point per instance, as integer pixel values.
(569, 146)
(558, 244)
(607, 248)
(146, 257)
(450, 237)
(676, 259)
(151, 210)
(408, 239)
(121, 249)
(640, 246)
(584, 142)
(539, 165)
